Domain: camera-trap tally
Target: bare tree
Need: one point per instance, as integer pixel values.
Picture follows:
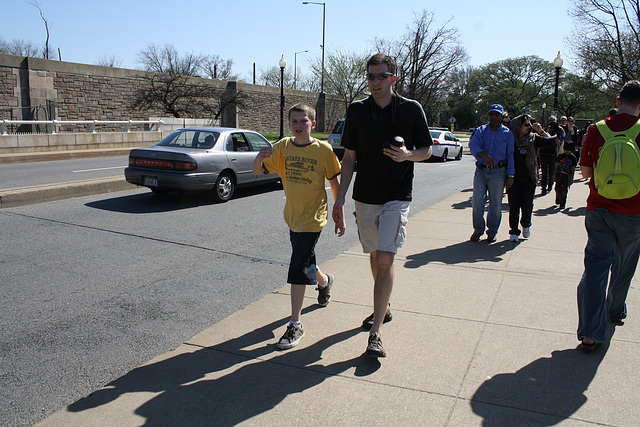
(271, 77)
(110, 61)
(215, 67)
(167, 60)
(344, 74)
(607, 41)
(46, 52)
(174, 86)
(426, 53)
(20, 47)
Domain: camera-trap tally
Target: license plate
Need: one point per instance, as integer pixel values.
(151, 181)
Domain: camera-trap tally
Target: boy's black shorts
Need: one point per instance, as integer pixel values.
(302, 268)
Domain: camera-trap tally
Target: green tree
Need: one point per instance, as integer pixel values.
(518, 84)
(461, 102)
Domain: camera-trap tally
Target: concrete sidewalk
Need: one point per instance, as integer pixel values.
(483, 334)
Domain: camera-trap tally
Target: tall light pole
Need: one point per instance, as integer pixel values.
(323, 33)
(282, 63)
(544, 106)
(295, 66)
(557, 63)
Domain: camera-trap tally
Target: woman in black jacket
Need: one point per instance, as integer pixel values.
(523, 189)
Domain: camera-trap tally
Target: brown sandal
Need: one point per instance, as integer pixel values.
(590, 347)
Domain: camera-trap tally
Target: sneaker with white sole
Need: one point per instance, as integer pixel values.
(513, 237)
(324, 292)
(291, 337)
(526, 232)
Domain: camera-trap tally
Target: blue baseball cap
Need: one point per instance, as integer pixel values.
(497, 108)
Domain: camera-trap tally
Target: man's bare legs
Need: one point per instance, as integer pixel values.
(382, 270)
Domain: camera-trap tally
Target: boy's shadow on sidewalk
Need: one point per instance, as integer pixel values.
(187, 397)
(463, 252)
(545, 392)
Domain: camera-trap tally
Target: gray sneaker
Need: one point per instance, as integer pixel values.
(324, 293)
(374, 348)
(291, 337)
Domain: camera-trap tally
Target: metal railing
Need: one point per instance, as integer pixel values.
(52, 125)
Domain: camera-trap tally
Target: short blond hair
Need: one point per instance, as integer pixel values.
(304, 108)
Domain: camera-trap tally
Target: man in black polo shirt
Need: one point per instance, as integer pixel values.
(384, 133)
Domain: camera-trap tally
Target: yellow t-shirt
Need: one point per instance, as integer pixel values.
(303, 170)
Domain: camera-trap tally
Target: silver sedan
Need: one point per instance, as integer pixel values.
(206, 158)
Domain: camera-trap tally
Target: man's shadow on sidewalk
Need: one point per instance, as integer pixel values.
(187, 397)
(543, 393)
(463, 252)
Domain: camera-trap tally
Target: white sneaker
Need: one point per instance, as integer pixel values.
(526, 232)
(513, 238)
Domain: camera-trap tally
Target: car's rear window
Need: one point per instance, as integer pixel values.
(191, 139)
(339, 127)
(434, 134)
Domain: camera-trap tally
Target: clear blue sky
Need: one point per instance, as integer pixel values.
(259, 31)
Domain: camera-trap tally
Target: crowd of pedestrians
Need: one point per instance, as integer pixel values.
(612, 219)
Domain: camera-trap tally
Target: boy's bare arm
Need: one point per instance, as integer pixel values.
(258, 167)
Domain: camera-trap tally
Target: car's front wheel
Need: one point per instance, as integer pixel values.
(459, 156)
(225, 185)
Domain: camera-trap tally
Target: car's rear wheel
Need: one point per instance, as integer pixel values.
(225, 186)
(445, 153)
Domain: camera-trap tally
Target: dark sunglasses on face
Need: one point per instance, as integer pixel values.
(378, 76)
(527, 125)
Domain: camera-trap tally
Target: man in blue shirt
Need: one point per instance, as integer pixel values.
(492, 146)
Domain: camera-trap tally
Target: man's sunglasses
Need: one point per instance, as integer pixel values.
(378, 76)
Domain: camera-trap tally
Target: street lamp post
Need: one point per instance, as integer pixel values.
(544, 105)
(282, 63)
(557, 63)
(295, 66)
(323, 34)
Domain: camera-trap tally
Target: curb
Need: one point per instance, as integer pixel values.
(49, 193)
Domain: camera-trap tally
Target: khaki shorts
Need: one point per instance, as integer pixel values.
(382, 227)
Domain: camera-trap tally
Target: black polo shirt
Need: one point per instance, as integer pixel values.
(367, 126)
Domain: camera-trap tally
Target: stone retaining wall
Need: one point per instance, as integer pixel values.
(91, 92)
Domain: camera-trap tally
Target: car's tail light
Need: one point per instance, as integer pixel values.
(162, 164)
(185, 166)
(436, 142)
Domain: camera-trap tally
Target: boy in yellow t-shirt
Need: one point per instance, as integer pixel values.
(303, 163)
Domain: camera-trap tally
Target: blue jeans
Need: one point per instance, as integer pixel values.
(489, 181)
(613, 245)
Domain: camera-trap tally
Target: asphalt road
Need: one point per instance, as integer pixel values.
(21, 175)
(95, 286)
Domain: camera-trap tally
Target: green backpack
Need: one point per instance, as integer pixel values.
(617, 172)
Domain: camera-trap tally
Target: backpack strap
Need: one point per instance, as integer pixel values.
(607, 133)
